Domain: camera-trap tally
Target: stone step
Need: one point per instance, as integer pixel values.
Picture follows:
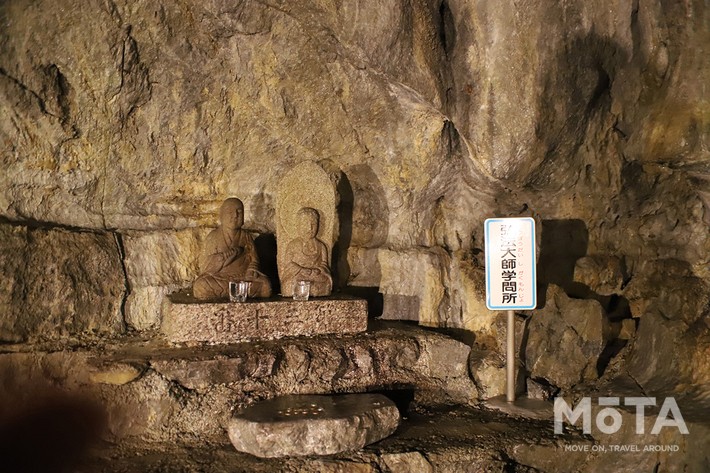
(313, 424)
(152, 391)
(442, 440)
(165, 408)
(451, 439)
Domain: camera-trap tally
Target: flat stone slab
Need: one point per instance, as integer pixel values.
(313, 425)
(186, 319)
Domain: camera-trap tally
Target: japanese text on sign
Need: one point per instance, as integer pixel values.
(510, 263)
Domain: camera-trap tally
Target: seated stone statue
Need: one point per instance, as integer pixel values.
(307, 258)
(228, 255)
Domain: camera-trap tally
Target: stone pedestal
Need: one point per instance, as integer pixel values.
(186, 320)
(313, 425)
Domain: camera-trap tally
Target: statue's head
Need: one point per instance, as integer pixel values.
(231, 214)
(308, 219)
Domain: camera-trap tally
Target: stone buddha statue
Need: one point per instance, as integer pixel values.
(228, 255)
(307, 257)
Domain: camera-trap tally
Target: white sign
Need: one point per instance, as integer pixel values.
(510, 263)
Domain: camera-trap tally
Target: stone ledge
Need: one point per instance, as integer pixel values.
(186, 320)
(441, 440)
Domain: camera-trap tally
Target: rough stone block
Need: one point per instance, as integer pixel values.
(407, 462)
(566, 339)
(186, 320)
(144, 305)
(539, 391)
(58, 284)
(489, 373)
(601, 273)
(162, 258)
(475, 316)
(157, 263)
(669, 286)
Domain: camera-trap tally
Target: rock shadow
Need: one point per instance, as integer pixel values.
(364, 225)
(367, 223)
(562, 243)
(373, 296)
(403, 398)
(54, 432)
(341, 267)
(265, 245)
(576, 87)
(401, 307)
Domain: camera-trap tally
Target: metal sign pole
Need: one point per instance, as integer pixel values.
(510, 358)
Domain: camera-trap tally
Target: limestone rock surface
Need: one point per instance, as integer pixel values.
(158, 263)
(151, 392)
(668, 286)
(670, 306)
(536, 390)
(407, 462)
(313, 425)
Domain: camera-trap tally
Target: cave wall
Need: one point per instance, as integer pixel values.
(124, 124)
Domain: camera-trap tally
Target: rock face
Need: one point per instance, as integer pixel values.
(670, 306)
(603, 275)
(158, 263)
(313, 425)
(407, 462)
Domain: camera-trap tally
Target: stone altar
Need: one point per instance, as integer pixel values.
(187, 320)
